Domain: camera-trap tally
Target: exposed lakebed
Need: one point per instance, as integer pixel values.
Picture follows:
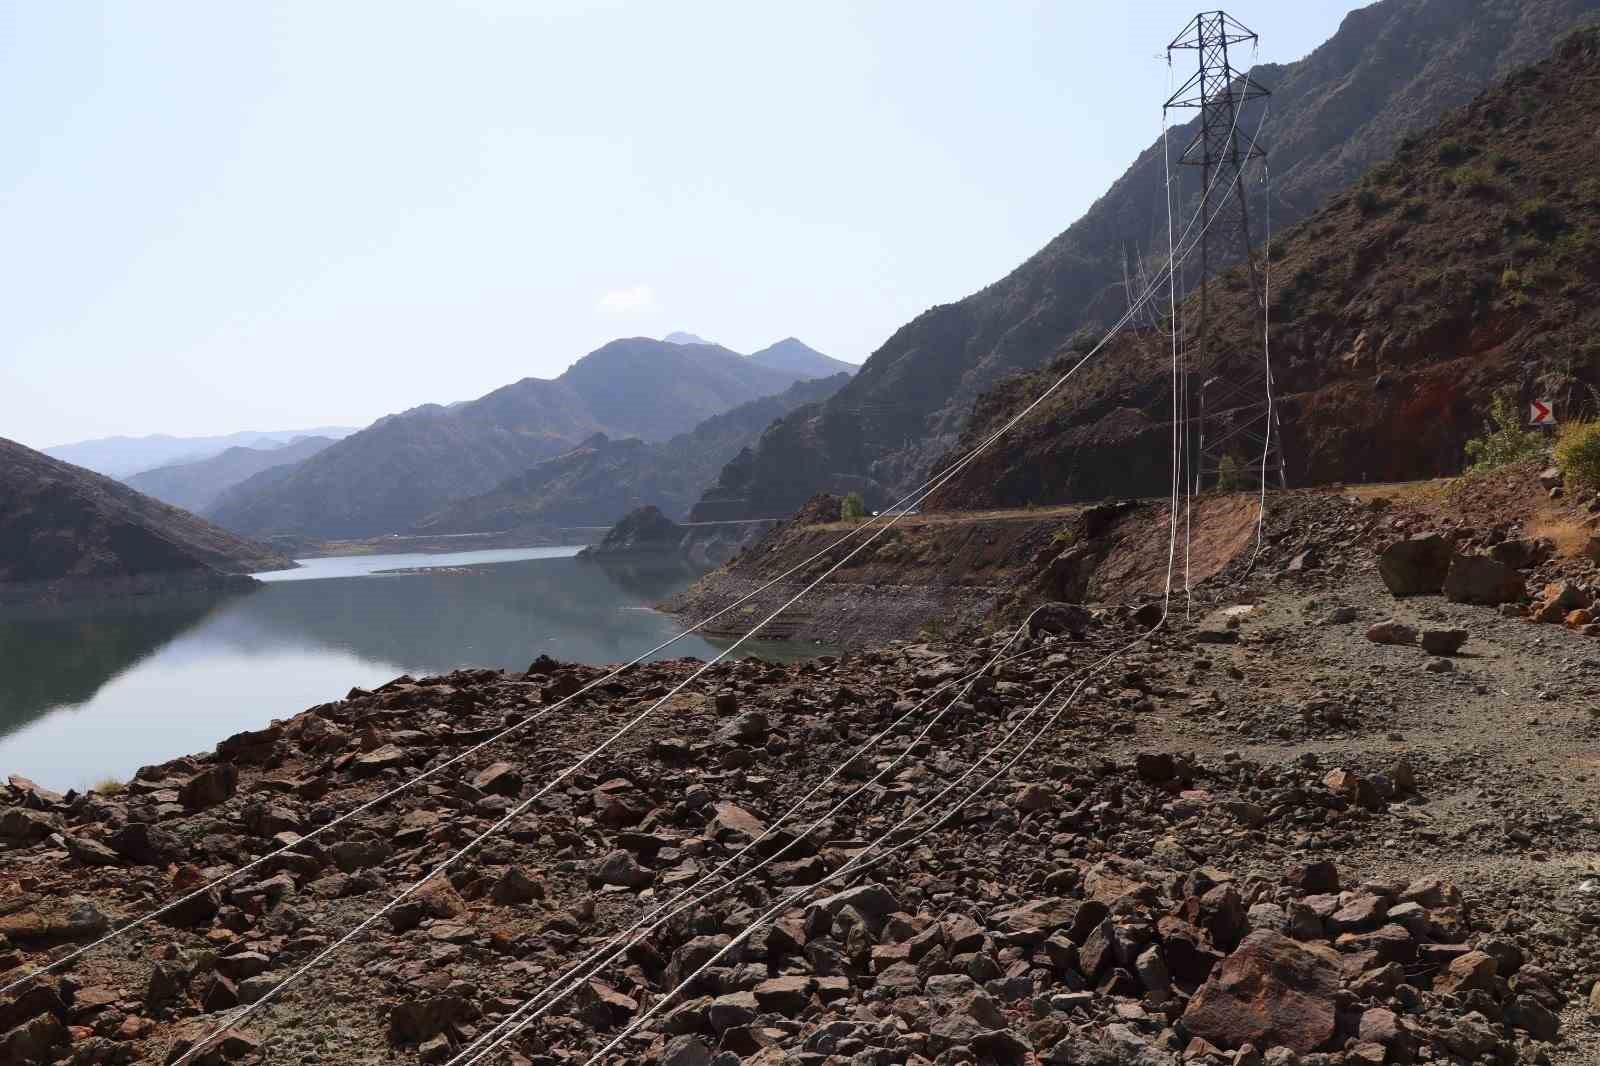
(97, 689)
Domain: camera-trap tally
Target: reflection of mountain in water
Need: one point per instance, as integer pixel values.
(503, 615)
(50, 656)
(148, 679)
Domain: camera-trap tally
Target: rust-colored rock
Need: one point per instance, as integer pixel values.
(1270, 991)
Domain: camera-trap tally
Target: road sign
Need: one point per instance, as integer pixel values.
(1544, 413)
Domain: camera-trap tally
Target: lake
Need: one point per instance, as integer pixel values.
(96, 690)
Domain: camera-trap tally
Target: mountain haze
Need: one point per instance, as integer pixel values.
(196, 486)
(1392, 69)
(603, 479)
(121, 457)
(406, 466)
(800, 358)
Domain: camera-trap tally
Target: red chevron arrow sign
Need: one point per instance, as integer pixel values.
(1543, 414)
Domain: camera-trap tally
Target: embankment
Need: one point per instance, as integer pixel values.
(941, 572)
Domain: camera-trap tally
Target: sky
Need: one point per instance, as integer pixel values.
(219, 217)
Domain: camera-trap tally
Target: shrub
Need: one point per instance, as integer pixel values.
(1479, 181)
(1543, 217)
(1504, 440)
(1578, 454)
(1369, 202)
(1232, 475)
(1452, 152)
(853, 509)
(109, 786)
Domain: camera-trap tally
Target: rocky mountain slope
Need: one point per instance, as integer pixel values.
(196, 486)
(60, 522)
(1260, 836)
(1391, 71)
(603, 479)
(407, 466)
(1470, 263)
(121, 457)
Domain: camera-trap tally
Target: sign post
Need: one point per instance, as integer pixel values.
(1542, 414)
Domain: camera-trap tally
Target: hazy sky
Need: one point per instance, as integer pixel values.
(229, 216)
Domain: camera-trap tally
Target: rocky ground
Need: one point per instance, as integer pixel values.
(1277, 830)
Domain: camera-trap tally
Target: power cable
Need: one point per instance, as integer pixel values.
(894, 514)
(668, 909)
(517, 1026)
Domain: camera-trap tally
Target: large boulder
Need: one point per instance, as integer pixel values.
(18, 825)
(210, 787)
(1415, 566)
(1271, 991)
(1480, 579)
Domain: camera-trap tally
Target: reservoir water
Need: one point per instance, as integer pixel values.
(90, 691)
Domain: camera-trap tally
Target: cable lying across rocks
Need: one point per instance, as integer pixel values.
(1104, 812)
(667, 910)
(894, 514)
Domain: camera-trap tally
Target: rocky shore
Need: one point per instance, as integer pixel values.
(1261, 835)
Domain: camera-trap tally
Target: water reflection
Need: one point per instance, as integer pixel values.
(51, 656)
(101, 689)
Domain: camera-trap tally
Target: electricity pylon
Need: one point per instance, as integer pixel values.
(1233, 415)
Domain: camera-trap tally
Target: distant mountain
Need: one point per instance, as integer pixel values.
(59, 521)
(407, 466)
(120, 457)
(1392, 70)
(603, 479)
(645, 388)
(680, 337)
(799, 358)
(196, 486)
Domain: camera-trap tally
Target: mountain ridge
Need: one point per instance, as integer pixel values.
(1466, 267)
(1391, 69)
(64, 522)
(602, 479)
(409, 465)
(196, 486)
(796, 356)
(124, 456)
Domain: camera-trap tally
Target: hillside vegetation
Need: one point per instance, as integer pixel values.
(603, 479)
(62, 521)
(1467, 266)
(1391, 70)
(407, 466)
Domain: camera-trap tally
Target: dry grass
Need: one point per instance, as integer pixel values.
(1569, 535)
(109, 786)
(1435, 491)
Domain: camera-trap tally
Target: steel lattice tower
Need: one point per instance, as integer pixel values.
(1232, 409)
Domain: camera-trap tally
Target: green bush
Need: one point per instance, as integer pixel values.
(1232, 475)
(853, 509)
(1578, 454)
(1543, 217)
(1480, 182)
(1504, 440)
(1452, 152)
(1369, 202)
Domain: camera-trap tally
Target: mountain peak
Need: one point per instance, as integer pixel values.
(798, 357)
(680, 337)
